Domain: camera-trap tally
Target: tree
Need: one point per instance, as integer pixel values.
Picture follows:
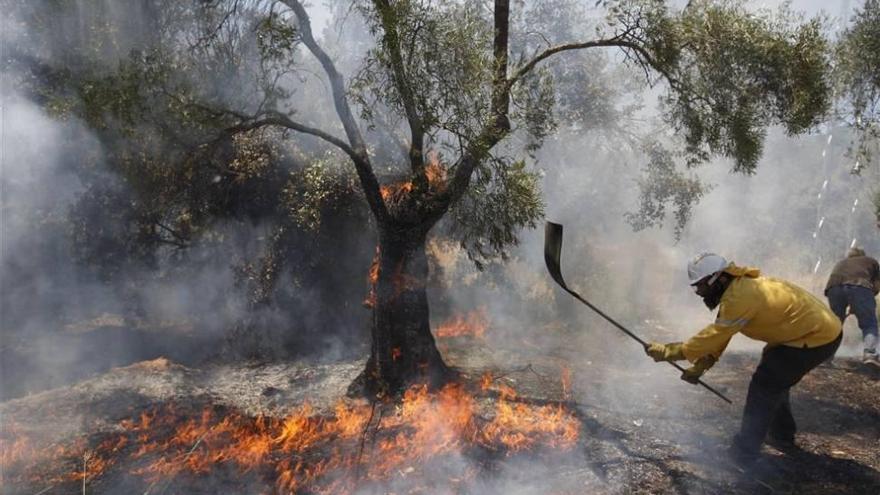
(446, 71)
(857, 58)
(164, 194)
(441, 116)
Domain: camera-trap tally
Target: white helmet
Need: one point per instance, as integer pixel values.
(704, 265)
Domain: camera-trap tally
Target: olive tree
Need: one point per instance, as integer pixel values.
(440, 115)
(857, 71)
(447, 72)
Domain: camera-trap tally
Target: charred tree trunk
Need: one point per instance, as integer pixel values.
(403, 350)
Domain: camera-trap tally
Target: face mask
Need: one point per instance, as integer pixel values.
(713, 298)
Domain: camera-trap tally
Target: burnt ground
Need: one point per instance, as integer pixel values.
(642, 430)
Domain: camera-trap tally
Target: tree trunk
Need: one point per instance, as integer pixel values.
(403, 350)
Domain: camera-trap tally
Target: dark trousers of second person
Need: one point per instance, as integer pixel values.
(767, 408)
(861, 302)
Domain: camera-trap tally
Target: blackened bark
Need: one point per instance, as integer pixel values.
(403, 350)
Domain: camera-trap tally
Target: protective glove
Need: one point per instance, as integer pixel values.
(692, 375)
(664, 352)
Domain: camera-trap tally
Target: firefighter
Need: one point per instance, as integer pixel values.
(853, 284)
(800, 332)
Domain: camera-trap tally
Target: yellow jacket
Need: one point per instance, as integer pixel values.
(765, 309)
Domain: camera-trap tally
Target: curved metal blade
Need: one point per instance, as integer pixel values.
(553, 251)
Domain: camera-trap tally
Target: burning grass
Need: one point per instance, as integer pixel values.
(305, 452)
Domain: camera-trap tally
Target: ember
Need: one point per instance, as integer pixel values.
(393, 193)
(304, 451)
(400, 281)
(372, 279)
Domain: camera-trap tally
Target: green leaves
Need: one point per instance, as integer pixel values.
(662, 183)
(276, 38)
(504, 197)
(732, 73)
(446, 53)
(857, 71)
(320, 187)
(534, 102)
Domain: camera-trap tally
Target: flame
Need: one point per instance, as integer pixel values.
(304, 451)
(372, 280)
(400, 281)
(33, 457)
(520, 426)
(473, 323)
(486, 381)
(396, 191)
(435, 172)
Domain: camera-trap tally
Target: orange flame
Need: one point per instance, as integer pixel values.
(520, 426)
(473, 323)
(304, 451)
(401, 281)
(486, 381)
(32, 458)
(372, 279)
(435, 173)
(396, 191)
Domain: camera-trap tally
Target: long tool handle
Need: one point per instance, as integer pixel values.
(553, 258)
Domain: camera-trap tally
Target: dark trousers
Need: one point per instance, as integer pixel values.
(860, 300)
(768, 409)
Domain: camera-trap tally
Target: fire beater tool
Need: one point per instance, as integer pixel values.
(553, 257)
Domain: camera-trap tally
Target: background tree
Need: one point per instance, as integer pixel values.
(857, 68)
(164, 195)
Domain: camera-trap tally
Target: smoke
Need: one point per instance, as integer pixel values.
(60, 321)
(793, 219)
(79, 294)
(63, 320)
(803, 205)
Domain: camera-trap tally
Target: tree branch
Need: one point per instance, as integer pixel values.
(498, 124)
(620, 41)
(213, 32)
(495, 129)
(272, 117)
(359, 155)
(269, 118)
(171, 231)
(500, 88)
(398, 72)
